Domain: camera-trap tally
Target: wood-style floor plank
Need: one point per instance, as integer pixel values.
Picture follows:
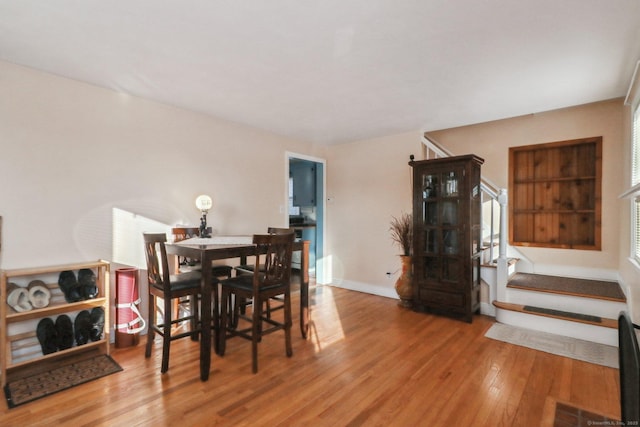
(367, 362)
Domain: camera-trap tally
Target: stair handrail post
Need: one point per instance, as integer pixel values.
(503, 200)
(502, 267)
(491, 232)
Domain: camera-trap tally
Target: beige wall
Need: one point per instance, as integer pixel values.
(72, 152)
(492, 140)
(368, 183)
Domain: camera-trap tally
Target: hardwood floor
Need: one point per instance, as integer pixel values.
(367, 362)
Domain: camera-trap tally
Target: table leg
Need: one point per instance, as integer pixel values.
(205, 317)
(304, 289)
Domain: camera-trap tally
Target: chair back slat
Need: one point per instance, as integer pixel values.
(157, 261)
(276, 259)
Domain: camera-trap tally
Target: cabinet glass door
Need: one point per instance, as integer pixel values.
(450, 241)
(431, 268)
(430, 212)
(475, 226)
(441, 210)
(431, 241)
(430, 185)
(449, 226)
(450, 181)
(451, 269)
(449, 214)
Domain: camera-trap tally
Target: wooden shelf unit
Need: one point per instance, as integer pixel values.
(555, 194)
(12, 342)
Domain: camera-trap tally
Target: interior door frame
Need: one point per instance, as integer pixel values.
(321, 276)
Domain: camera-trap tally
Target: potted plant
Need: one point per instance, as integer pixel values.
(402, 233)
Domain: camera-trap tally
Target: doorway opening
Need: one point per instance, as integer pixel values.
(306, 207)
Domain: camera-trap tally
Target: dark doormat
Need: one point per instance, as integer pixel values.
(34, 387)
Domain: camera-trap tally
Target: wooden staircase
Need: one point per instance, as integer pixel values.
(583, 309)
(578, 308)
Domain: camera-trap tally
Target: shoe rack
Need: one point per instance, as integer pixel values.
(20, 348)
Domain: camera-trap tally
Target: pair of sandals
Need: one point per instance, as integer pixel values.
(35, 295)
(88, 326)
(55, 336)
(82, 288)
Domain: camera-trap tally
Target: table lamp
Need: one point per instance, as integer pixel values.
(204, 203)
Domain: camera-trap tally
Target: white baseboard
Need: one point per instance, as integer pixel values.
(368, 288)
(487, 309)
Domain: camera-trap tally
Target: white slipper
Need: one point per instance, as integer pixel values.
(18, 298)
(39, 294)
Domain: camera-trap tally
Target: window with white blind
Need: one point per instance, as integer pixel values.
(635, 146)
(635, 178)
(636, 214)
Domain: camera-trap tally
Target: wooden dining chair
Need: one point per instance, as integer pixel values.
(187, 264)
(169, 288)
(274, 253)
(184, 264)
(248, 269)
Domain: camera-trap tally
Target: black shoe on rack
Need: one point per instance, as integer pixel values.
(97, 323)
(69, 285)
(64, 330)
(87, 283)
(46, 333)
(82, 326)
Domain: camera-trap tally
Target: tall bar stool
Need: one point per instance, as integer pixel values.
(184, 264)
(169, 288)
(274, 253)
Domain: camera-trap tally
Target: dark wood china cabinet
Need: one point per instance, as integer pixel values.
(447, 235)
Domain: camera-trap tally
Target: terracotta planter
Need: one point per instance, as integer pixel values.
(404, 286)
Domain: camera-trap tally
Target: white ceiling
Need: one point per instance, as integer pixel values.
(331, 71)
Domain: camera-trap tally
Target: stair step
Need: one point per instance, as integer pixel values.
(558, 314)
(598, 289)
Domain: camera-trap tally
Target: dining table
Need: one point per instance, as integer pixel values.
(215, 248)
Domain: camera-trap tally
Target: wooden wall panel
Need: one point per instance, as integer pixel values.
(555, 194)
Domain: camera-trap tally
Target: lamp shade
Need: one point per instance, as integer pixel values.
(204, 202)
